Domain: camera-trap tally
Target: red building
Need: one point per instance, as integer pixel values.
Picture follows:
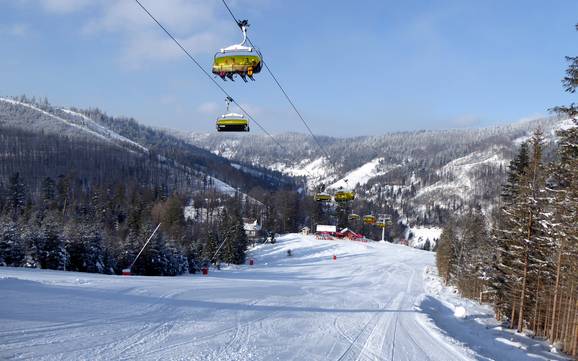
(348, 234)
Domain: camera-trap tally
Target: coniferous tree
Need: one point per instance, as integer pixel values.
(12, 250)
(210, 245)
(445, 254)
(16, 194)
(53, 254)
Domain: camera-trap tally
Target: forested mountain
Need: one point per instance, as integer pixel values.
(80, 190)
(422, 174)
(41, 138)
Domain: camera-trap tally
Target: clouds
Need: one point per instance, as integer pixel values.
(200, 25)
(181, 16)
(194, 23)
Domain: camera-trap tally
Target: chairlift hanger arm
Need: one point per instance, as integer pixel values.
(243, 25)
(228, 100)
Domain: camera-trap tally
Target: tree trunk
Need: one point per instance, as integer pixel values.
(575, 339)
(525, 277)
(536, 307)
(513, 314)
(556, 291)
(523, 293)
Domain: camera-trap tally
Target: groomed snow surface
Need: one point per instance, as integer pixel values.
(376, 301)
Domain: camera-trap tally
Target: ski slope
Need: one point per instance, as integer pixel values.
(368, 304)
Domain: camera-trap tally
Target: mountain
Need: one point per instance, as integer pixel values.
(41, 140)
(424, 175)
(419, 176)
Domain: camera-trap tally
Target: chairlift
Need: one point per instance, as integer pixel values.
(344, 195)
(232, 122)
(369, 219)
(238, 59)
(353, 217)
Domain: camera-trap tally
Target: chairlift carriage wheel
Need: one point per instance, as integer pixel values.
(232, 122)
(238, 59)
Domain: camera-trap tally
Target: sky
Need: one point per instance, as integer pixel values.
(352, 67)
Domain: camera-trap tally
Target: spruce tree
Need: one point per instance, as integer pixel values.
(526, 215)
(210, 245)
(53, 254)
(16, 194)
(12, 251)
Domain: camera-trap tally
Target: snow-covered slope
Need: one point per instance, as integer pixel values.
(361, 175)
(459, 176)
(371, 303)
(102, 130)
(31, 115)
(465, 322)
(420, 235)
(79, 123)
(417, 173)
(316, 171)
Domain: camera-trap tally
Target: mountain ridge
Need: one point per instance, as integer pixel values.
(411, 171)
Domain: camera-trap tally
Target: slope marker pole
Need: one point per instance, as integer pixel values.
(127, 271)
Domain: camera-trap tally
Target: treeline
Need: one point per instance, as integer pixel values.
(36, 155)
(71, 226)
(526, 263)
(244, 176)
(523, 258)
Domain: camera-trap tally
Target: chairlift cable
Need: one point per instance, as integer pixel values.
(192, 58)
(284, 92)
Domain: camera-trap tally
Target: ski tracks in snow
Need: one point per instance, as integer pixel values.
(307, 307)
(157, 327)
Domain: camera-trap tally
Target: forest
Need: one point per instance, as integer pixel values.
(81, 204)
(523, 257)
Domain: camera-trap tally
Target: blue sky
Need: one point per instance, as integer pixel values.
(352, 67)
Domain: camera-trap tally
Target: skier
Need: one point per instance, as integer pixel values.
(289, 253)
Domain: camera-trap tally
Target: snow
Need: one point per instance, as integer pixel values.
(472, 326)
(223, 187)
(564, 125)
(460, 313)
(253, 226)
(360, 175)
(459, 174)
(422, 233)
(15, 102)
(109, 133)
(374, 302)
(201, 214)
(316, 171)
(91, 127)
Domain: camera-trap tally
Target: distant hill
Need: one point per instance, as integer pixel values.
(422, 174)
(41, 140)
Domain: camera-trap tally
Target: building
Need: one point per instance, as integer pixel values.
(325, 229)
(252, 228)
(349, 234)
